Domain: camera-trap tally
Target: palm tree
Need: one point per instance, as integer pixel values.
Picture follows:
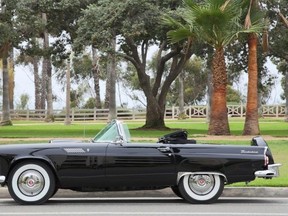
(216, 22)
(251, 126)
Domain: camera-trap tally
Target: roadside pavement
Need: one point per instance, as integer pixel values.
(167, 192)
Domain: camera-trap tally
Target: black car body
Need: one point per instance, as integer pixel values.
(196, 172)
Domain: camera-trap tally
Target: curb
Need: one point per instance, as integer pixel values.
(167, 192)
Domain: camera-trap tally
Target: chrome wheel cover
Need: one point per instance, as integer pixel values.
(31, 183)
(201, 184)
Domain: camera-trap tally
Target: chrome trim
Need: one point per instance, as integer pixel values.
(31, 183)
(181, 174)
(272, 171)
(2, 179)
(123, 136)
(121, 132)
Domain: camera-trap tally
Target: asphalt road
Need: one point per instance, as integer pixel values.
(230, 206)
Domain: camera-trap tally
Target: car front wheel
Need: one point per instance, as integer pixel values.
(201, 188)
(31, 183)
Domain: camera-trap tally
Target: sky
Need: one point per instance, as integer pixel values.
(24, 84)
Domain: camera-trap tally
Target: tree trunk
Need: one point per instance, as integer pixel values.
(251, 126)
(37, 83)
(11, 79)
(68, 88)
(286, 96)
(96, 75)
(6, 120)
(44, 84)
(47, 75)
(155, 109)
(156, 93)
(112, 91)
(107, 89)
(209, 95)
(154, 114)
(49, 116)
(44, 70)
(218, 124)
(182, 114)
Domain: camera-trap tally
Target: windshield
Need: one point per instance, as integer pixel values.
(113, 132)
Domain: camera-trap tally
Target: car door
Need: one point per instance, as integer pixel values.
(83, 165)
(140, 165)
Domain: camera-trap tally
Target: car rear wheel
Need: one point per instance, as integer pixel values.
(31, 183)
(201, 188)
(176, 191)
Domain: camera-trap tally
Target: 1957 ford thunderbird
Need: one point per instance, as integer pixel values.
(195, 172)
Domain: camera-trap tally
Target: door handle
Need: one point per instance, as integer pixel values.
(164, 149)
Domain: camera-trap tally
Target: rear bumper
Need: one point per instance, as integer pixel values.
(272, 171)
(2, 179)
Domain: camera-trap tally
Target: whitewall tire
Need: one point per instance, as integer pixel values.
(31, 183)
(176, 191)
(201, 188)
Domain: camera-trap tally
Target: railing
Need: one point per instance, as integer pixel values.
(132, 114)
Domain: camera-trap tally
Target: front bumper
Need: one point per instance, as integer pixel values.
(2, 179)
(272, 171)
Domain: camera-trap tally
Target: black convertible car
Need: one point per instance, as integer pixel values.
(195, 172)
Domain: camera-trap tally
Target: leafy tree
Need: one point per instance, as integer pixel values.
(195, 83)
(279, 43)
(129, 79)
(89, 67)
(46, 19)
(9, 36)
(77, 96)
(89, 104)
(233, 96)
(216, 23)
(283, 67)
(137, 26)
(23, 103)
(34, 61)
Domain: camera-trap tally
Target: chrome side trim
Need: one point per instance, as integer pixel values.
(2, 179)
(181, 174)
(272, 171)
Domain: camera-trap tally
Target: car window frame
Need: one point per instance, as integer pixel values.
(122, 133)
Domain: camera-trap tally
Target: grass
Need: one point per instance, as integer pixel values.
(195, 127)
(277, 130)
(279, 151)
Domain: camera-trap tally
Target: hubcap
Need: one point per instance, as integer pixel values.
(31, 183)
(201, 184)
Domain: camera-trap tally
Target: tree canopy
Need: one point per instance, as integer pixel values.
(46, 31)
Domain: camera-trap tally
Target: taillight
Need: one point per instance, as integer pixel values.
(266, 160)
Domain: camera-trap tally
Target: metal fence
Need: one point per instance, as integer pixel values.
(133, 114)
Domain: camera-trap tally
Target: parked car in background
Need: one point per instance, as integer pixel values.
(110, 162)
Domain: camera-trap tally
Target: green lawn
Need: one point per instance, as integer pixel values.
(279, 150)
(195, 127)
(277, 130)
